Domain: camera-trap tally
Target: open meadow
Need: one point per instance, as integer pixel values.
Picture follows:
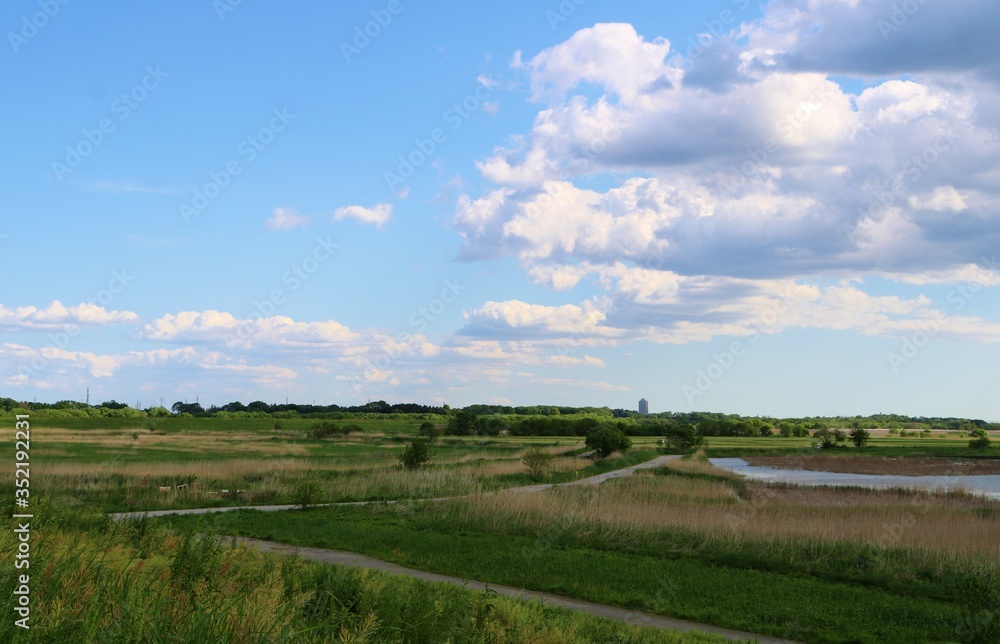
(685, 540)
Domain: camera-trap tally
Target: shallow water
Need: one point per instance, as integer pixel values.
(984, 485)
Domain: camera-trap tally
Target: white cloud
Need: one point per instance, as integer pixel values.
(943, 199)
(376, 216)
(612, 56)
(774, 170)
(57, 317)
(286, 219)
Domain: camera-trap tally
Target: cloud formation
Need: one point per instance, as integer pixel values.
(376, 216)
(283, 219)
(56, 317)
(693, 190)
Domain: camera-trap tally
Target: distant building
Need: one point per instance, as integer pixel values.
(643, 406)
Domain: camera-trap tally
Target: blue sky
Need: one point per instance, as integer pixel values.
(797, 217)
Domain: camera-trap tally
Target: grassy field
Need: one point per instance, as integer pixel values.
(134, 583)
(687, 540)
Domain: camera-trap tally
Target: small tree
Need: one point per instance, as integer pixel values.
(537, 461)
(429, 430)
(682, 438)
(860, 437)
(306, 494)
(323, 430)
(606, 440)
(417, 453)
(980, 439)
(828, 439)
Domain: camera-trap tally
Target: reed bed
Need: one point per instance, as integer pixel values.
(946, 525)
(374, 474)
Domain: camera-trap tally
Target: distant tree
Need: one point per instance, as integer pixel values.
(860, 437)
(683, 437)
(429, 430)
(491, 426)
(187, 408)
(606, 440)
(323, 430)
(828, 439)
(416, 454)
(463, 423)
(980, 439)
(537, 460)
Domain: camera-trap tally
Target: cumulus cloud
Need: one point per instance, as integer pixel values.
(376, 216)
(283, 219)
(660, 307)
(56, 317)
(690, 190)
(879, 37)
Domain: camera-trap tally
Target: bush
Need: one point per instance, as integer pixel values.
(417, 453)
(429, 431)
(828, 439)
(325, 430)
(980, 439)
(607, 440)
(682, 438)
(537, 461)
(306, 494)
(860, 437)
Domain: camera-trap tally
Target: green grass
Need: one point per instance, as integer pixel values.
(800, 590)
(133, 583)
(808, 592)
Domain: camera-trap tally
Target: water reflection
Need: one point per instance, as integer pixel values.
(984, 485)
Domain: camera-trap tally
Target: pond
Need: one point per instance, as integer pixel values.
(983, 485)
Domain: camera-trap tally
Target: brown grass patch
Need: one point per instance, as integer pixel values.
(947, 525)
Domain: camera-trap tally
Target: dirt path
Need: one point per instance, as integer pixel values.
(590, 480)
(353, 560)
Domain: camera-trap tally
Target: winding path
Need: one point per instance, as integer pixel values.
(590, 480)
(355, 560)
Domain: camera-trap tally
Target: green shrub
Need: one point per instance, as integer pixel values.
(682, 438)
(306, 494)
(429, 431)
(980, 439)
(537, 460)
(607, 440)
(416, 454)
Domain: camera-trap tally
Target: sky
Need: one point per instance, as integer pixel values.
(787, 208)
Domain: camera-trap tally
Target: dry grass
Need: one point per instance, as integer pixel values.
(901, 466)
(697, 466)
(949, 524)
